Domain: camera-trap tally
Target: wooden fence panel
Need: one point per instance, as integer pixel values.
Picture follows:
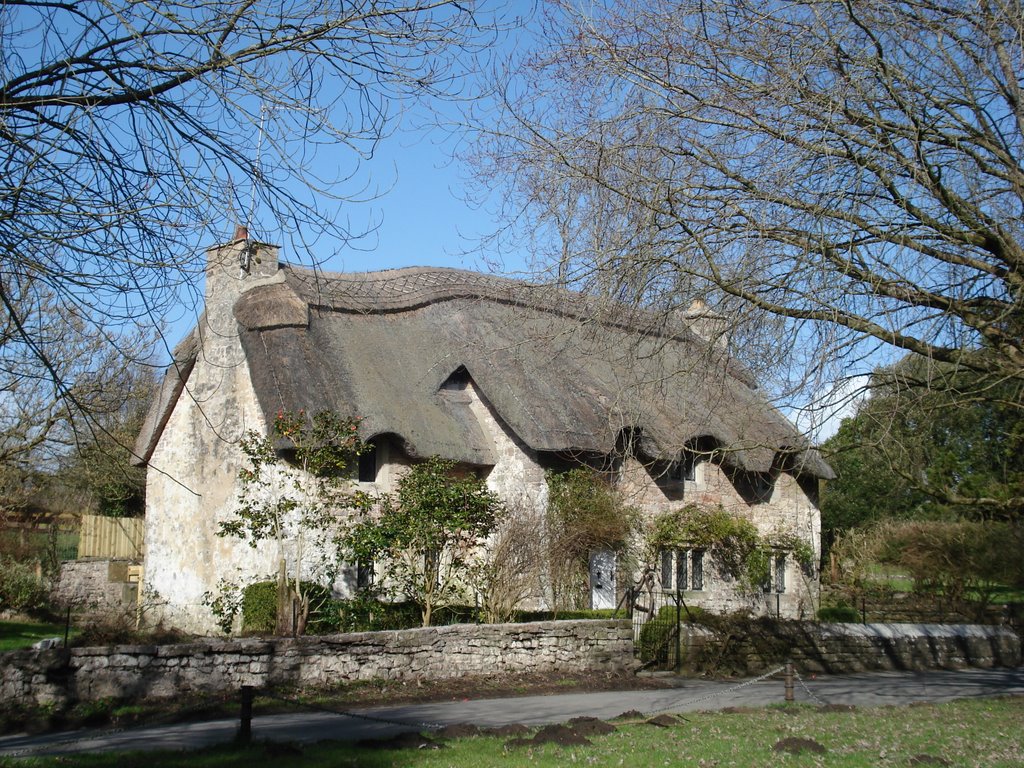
(114, 537)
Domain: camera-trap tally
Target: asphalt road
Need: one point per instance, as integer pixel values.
(865, 690)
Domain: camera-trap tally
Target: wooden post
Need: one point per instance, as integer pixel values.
(788, 678)
(245, 727)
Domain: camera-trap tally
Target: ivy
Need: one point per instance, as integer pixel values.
(585, 513)
(802, 551)
(734, 542)
(583, 502)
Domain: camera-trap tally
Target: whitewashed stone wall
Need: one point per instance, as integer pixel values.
(516, 476)
(436, 653)
(192, 482)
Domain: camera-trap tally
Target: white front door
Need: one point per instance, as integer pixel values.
(602, 579)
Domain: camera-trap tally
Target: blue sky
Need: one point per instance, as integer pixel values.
(412, 191)
(424, 220)
(423, 215)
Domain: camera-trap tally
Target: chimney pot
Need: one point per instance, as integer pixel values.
(241, 233)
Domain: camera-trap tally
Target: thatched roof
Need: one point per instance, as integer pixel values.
(563, 373)
(183, 360)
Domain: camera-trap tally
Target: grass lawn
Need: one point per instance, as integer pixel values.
(1000, 594)
(21, 634)
(983, 732)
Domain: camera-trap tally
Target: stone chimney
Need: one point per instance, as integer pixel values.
(233, 266)
(231, 269)
(706, 323)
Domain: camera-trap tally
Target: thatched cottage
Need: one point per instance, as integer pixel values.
(508, 378)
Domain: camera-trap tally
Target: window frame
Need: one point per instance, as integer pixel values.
(682, 565)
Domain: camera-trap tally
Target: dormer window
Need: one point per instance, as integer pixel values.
(368, 464)
(683, 469)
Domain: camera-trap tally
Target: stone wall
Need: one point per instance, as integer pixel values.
(126, 672)
(786, 507)
(97, 586)
(847, 648)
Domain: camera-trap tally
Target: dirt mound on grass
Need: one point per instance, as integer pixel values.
(796, 746)
(571, 734)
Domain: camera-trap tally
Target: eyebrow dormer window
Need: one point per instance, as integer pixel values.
(683, 469)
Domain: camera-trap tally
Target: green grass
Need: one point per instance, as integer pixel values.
(984, 732)
(36, 544)
(15, 635)
(895, 579)
(999, 594)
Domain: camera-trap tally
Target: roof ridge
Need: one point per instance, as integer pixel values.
(397, 289)
(407, 288)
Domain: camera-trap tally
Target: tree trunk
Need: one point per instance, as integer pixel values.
(285, 613)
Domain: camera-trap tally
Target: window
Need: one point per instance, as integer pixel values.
(364, 575)
(681, 574)
(683, 469)
(775, 579)
(368, 465)
(682, 569)
(780, 573)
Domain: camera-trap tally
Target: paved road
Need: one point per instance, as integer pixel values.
(875, 689)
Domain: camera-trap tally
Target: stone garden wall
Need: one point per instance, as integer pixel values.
(566, 647)
(95, 586)
(126, 672)
(846, 648)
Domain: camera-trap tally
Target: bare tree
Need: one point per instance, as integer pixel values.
(132, 133)
(509, 574)
(65, 391)
(853, 168)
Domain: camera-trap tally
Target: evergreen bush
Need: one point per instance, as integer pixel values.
(259, 609)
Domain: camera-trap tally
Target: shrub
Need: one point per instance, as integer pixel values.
(656, 635)
(365, 613)
(21, 588)
(840, 614)
(593, 613)
(457, 614)
(259, 608)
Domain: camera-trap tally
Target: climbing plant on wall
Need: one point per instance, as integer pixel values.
(585, 513)
(734, 542)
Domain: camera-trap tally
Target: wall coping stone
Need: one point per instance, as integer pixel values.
(897, 631)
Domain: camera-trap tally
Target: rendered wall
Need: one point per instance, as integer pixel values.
(192, 481)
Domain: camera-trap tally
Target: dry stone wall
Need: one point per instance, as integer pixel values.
(127, 672)
(848, 648)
